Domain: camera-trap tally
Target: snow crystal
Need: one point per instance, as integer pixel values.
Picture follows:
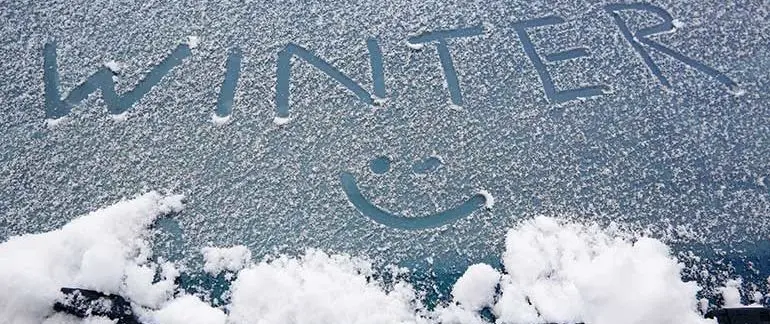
(220, 120)
(455, 107)
(379, 102)
(53, 123)
(281, 120)
(114, 66)
(489, 200)
(121, 117)
(225, 259)
(415, 46)
(193, 41)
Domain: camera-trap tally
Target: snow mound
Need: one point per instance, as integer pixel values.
(92, 252)
(318, 288)
(189, 310)
(554, 271)
(566, 272)
(476, 288)
(472, 292)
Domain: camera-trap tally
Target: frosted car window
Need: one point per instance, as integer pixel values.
(414, 133)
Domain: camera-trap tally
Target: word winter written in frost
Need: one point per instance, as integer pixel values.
(639, 40)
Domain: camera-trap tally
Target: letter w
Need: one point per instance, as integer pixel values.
(55, 107)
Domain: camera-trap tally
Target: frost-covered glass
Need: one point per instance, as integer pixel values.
(412, 132)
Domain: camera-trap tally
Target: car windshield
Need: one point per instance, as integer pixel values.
(384, 161)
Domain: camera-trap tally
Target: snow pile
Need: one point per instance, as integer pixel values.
(563, 272)
(187, 310)
(90, 252)
(476, 288)
(472, 292)
(231, 259)
(554, 271)
(318, 288)
(140, 288)
(731, 293)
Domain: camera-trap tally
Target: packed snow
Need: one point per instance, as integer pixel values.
(553, 271)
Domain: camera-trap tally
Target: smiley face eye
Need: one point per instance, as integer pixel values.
(380, 165)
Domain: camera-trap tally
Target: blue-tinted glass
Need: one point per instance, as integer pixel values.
(378, 128)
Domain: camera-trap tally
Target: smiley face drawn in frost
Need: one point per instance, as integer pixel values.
(381, 165)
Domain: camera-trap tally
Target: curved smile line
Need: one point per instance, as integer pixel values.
(383, 217)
